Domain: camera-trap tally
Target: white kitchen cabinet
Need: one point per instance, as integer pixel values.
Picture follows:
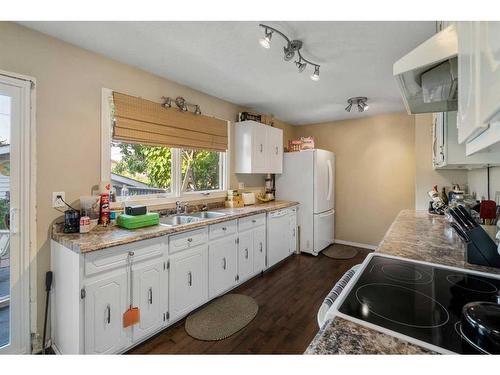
(245, 255)
(105, 303)
(468, 123)
(222, 265)
(259, 148)
(188, 283)
(259, 252)
(447, 153)
(150, 294)
(489, 68)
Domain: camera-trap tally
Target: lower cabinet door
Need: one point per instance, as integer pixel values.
(245, 255)
(105, 303)
(222, 265)
(150, 294)
(259, 249)
(188, 281)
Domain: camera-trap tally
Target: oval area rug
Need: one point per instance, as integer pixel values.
(338, 251)
(222, 318)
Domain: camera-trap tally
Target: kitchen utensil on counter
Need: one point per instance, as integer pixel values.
(139, 221)
(467, 216)
(488, 211)
(480, 326)
(248, 198)
(460, 232)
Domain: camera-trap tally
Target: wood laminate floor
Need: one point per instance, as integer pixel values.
(289, 297)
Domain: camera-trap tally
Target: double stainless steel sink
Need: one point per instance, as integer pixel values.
(194, 217)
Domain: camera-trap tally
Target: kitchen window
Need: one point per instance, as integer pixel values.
(140, 170)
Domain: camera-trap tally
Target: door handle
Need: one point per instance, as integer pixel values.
(330, 179)
(276, 150)
(261, 148)
(293, 232)
(151, 296)
(260, 247)
(108, 314)
(224, 263)
(246, 253)
(190, 278)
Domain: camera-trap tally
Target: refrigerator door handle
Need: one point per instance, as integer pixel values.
(330, 180)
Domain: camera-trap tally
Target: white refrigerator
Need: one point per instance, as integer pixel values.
(309, 178)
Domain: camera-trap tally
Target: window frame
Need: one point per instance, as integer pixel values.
(175, 193)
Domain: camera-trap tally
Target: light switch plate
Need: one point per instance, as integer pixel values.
(56, 202)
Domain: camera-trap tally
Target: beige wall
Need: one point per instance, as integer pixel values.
(69, 82)
(375, 174)
(426, 177)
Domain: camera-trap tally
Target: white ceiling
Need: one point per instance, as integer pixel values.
(224, 59)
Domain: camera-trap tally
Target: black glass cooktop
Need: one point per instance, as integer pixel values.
(418, 300)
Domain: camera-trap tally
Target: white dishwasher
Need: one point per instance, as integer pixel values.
(279, 234)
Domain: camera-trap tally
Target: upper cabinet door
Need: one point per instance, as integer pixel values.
(468, 123)
(489, 67)
(260, 149)
(275, 147)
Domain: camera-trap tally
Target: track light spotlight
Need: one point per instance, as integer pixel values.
(300, 65)
(291, 48)
(359, 101)
(266, 41)
(315, 75)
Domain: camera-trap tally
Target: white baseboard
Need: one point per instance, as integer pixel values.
(357, 244)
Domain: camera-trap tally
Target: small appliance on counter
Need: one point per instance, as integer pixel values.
(248, 198)
(71, 221)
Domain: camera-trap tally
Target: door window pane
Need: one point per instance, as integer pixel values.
(5, 323)
(201, 170)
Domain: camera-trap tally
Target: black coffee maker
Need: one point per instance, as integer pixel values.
(71, 221)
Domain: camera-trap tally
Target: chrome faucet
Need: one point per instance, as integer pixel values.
(180, 207)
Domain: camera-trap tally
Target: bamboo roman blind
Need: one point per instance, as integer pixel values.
(142, 121)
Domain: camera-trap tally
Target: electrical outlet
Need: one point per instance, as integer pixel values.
(56, 201)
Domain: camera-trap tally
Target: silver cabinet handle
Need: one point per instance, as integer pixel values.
(150, 296)
(276, 150)
(246, 253)
(190, 278)
(108, 314)
(261, 148)
(130, 253)
(224, 228)
(254, 221)
(293, 232)
(224, 263)
(190, 239)
(260, 247)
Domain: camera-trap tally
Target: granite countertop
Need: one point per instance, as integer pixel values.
(414, 235)
(102, 238)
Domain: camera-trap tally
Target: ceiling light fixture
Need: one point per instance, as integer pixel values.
(359, 102)
(289, 50)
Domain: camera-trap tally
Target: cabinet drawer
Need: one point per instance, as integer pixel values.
(222, 229)
(116, 257)
(187, 240)
(250, 222)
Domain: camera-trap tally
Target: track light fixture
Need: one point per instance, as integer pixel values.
(291, 48)
(359, 102)
(181, 103)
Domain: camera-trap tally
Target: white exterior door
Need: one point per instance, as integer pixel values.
(105, 303)
(15, 212)
(259, 246)
(324, 181)
(324, 225)
(245, 255)
(222, 265)
(150, 289)
(188, 281)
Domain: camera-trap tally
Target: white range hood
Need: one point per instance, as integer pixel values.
(427, 76)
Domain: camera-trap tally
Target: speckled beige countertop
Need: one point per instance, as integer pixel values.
(102, 238)
(414, 235)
